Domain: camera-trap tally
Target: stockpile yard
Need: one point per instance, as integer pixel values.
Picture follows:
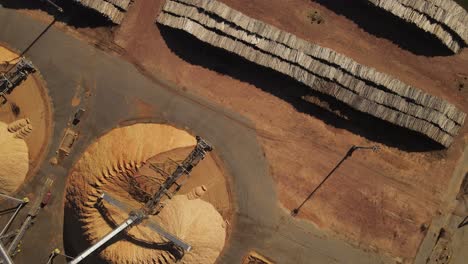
(233, 131)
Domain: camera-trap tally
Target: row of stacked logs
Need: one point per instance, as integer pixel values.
(444, 19)
(322, 69)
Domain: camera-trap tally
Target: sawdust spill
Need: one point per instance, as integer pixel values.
(14, 161)
(118, 164)
(7, 56)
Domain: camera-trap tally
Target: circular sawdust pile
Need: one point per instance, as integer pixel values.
(208, 173)
(28, 100)
(109, 165)
(14, 160)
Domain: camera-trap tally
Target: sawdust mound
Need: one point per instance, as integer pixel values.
(29, 100)
(194, 221)
(14, 160)
(109, 166)
(199, 224)
(8, 56)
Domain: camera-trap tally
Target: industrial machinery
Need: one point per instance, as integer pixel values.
(78, 115)
(69, 138)
(153, 206)
(13, 239)
(4, 256)
(38, 204)
(54, 5)
(13, 77)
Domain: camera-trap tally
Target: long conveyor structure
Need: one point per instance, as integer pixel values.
(13, 77)
(153, 205)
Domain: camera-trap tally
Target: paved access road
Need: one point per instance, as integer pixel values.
(116, 87)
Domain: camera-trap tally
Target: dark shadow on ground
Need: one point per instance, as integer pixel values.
(463, 3)
(383, 24)
(75, 242)
(464, 222)
(348, 154)
(74, 14)
(196, 52)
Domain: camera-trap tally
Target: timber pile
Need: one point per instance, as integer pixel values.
(322, 69)
(114, 10)
(443, 18)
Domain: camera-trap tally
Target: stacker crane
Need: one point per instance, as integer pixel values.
(153, 205)
(13, 77)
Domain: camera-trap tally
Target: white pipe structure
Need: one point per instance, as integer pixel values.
(21, 204)
(151, 224)
(11, 219)
(106, 238)
(4, 255)
(12, 198)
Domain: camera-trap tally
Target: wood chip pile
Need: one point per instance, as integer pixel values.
(114, 10)
(443, 18)
(14, 158)
(112, 165)
(322, 69)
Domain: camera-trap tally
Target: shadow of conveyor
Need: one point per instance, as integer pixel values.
(75, 241)
(74, 14)
(383, 24)
(197, 52)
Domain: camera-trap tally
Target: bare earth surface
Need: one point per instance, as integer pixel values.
(117, 164)
(33, 102)
(377, 200)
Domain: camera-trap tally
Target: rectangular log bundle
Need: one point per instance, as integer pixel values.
(443, 18)
(112, 9)
(322, 69)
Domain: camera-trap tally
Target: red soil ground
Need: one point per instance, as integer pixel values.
(378, 201)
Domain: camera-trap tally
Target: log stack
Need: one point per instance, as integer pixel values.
(114, 10)
(322, 69)
(444, 19)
